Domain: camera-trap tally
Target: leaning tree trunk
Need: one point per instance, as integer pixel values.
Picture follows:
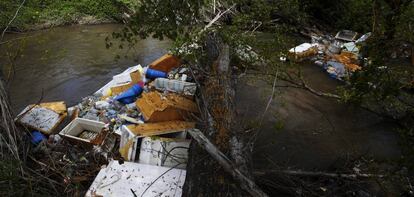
(205, 176)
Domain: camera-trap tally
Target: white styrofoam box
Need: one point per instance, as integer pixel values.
(166, 152)
(302, 48)
(127, 135)
(39, 118)
(78, 125)
(176, 86)
(135, 179)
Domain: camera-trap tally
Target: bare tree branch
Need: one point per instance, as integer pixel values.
(11, 21)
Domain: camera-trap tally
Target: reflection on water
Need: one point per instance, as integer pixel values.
(68, 63)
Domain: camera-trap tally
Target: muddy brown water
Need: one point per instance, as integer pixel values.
(68, 63)
(300, 130)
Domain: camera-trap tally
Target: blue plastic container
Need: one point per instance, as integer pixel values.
(37, 137)
(130, 95)
(153, 74)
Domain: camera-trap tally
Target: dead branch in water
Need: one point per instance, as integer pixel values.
(318, 174)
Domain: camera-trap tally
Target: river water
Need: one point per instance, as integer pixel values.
(299, 130)
(68, 63)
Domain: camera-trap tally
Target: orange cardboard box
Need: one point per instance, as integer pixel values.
(158, 108)
(165, 63)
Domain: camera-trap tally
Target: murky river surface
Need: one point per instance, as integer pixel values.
(299, 130)
(68, 63)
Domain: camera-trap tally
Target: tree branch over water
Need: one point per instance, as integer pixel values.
(11, 21)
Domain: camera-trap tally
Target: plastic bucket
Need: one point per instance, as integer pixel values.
(130, 95)
(37, 137)
(153, 74)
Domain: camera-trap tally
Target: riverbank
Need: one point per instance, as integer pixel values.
(37, 15)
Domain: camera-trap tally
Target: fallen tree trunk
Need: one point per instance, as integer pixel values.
(219, 134)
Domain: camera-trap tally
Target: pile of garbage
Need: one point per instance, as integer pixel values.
(140, 117)
(339, 56)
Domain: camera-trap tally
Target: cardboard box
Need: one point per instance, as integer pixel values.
(157, 108)
(165, 63)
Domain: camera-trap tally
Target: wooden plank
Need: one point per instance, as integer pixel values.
(159, 128)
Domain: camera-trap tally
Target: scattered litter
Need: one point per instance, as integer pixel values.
(339, 56)
(141, 115)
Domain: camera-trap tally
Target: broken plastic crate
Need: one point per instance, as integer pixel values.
(165, 63)
(84, 131)
(135, 179)
(168, 152)
(158, 108)
(180, 87)
(44, 117)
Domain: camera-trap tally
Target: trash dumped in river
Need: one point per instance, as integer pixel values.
(141, 110)
(339, 56)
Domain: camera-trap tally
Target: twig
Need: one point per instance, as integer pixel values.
(11, 21)
(217, 17)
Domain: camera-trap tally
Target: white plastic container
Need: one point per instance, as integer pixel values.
(180, 87)
(77, 126)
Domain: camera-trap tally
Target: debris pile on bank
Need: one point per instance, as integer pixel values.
(136, 124)
(339, 56)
